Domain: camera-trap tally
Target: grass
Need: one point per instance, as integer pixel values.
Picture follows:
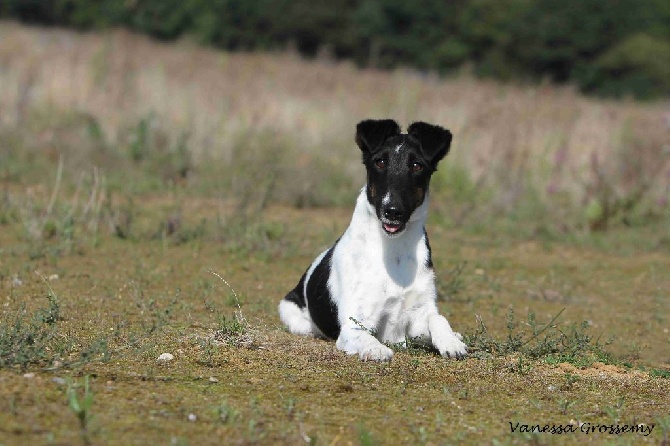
(81, 407)
(243, 377)
(171, 218)
(549, 342)
(24, 339)
(156, 116)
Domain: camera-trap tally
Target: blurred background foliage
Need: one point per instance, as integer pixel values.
(609, 48)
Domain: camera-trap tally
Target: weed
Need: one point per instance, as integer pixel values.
(290, 404)
(664, 424)
(620, 186)
(207, 348)
(178, 441)
(411, 346)
(97, 350)
(37, 340)
(25, 340)
(51, 314)
(121, 218)
(139, 141)
(661, 373)
(455, 284)
(371, 330)
(570, 380)
(158, 317)
(227, 414)
(255, 430)
(564, 405)
(245, 234)
(365, 437)
(233, 331)
(521, 367)
(61, 225)
(8, 209)
(234, 294)
(422, 433)
(614, 412)
(81, 407)
(546, 341)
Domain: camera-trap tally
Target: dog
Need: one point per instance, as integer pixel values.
(376, 284)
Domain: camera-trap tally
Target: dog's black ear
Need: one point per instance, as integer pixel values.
(434, 140)
(371, 134)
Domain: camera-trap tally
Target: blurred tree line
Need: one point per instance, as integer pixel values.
(605, 47)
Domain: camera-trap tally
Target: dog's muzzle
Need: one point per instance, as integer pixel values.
(392, 220)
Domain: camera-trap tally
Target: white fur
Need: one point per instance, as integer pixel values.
(296, 319)
(381, 285)
(386, 199)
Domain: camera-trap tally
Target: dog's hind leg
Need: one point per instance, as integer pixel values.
(293, 311)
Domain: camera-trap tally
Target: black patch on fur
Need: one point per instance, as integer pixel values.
(434, 140)
(322, 310)
(296, 295)
(371, 134)
(429, 260)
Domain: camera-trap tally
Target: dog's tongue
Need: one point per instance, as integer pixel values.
(391, 228)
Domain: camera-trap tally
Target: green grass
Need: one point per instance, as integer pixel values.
(30, 338)
(81, 407)
(550, 342)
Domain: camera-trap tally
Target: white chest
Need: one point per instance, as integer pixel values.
(386, 274)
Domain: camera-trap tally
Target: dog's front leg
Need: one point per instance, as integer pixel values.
(434, 328)
(355, 338)
(445, 340)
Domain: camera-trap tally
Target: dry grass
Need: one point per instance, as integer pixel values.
(124, 303)
(546, 144)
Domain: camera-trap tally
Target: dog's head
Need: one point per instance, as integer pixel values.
(399, 167)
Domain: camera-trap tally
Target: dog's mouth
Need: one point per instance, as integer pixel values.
(392, 228)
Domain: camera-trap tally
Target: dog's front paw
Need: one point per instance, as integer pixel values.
(453, 347)
(377, 352)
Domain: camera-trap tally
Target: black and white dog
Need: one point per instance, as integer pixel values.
(376, 284)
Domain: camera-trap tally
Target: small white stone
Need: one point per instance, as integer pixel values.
(53, 277)
(29, 375)
(58, 380)
(192, 417)
(166, 357)
(551, 388)
(213, 379)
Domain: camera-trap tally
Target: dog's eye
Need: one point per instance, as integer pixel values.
(417, 167)
(380, 163)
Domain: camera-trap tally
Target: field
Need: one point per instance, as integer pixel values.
(163, 198)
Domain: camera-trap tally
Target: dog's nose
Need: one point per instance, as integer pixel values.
(393, 213)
